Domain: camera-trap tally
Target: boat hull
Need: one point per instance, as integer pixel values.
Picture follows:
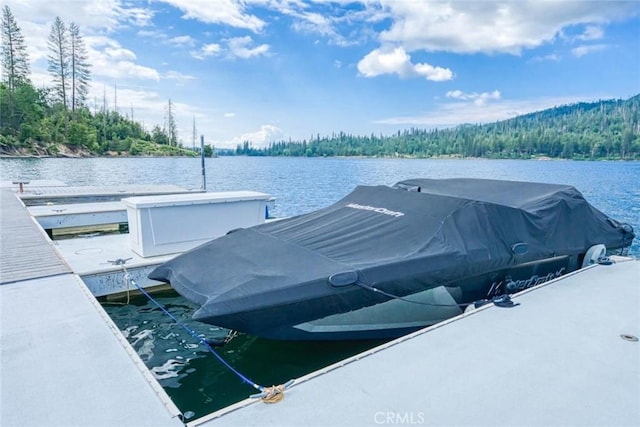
(395, 317)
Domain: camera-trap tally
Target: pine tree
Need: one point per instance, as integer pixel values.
(15, 63)
(170, 125)
(79, 68)
(58, 44)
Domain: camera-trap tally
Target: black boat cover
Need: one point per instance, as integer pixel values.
(417, 235)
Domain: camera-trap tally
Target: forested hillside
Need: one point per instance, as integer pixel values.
(56, 120)
(600, 130)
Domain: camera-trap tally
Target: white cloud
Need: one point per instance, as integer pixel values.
(227, 12)
(587, 49)
(236, 47)
(330, 19)
(397, 61)
(262, 137)
(118, 54)
(182, 41)
(109, 59)
(90, 15)
(239, 47)
(175, 75)
(128, 69)
(229, 115)
(139, 17)
(211, 49)
(324, 25)
(437, 74)
(477, 98)
(490, 26)
(591, 32)
(314, 22)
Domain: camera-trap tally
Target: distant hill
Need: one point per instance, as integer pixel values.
(607, 129)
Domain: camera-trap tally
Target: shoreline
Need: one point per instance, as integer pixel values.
(129, 156)
(96, 156)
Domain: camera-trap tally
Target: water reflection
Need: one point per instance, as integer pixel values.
(192, 376)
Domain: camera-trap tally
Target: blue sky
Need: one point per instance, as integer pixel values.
(268, 70)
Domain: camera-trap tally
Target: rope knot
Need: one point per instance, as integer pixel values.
(274, 394)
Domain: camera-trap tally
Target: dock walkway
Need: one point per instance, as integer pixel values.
(25, 251)
(564, 356)
(90, 193)
(63, 360)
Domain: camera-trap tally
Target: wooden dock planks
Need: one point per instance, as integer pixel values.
(25, 252)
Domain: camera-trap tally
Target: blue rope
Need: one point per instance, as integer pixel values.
(199, 338)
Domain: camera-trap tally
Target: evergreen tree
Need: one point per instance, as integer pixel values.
(15, 65)
(159, 136)
(79, 68)
(170, 128)
(58, 44)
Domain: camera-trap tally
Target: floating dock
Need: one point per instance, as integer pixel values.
(33, 193)
(567, 354)
(65, 363)
(52, 217)
(25, 251)
(63, 360)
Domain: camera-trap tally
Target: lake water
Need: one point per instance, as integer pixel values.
(301, 185)
(194, 379)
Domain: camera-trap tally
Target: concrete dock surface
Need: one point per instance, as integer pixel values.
(63, 362)
(566, 355)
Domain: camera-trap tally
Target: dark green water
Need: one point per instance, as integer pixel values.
(192, 376)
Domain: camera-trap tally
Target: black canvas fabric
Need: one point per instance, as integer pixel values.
(398, 239)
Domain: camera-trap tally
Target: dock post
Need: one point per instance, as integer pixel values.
(21, 185)
(204, 179)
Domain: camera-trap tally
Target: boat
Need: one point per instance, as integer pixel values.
(387, 260)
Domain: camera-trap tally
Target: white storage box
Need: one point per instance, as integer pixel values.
(161, 225)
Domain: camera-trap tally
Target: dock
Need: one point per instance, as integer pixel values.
(568, 354)
(25, 251)
(35, 194)
(64, 361)
(51, 217)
